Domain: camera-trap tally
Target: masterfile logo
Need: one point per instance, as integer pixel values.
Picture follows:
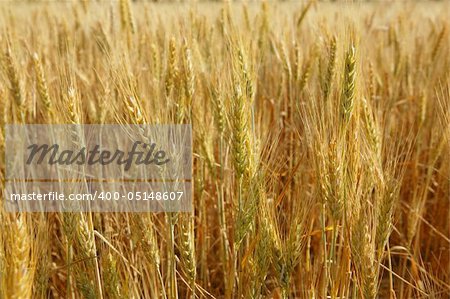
(53, 155)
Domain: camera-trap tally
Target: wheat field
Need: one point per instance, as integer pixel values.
(321, 132)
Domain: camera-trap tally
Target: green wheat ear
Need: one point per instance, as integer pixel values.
(348, 88)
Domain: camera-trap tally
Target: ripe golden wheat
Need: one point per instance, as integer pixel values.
(321, 147)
